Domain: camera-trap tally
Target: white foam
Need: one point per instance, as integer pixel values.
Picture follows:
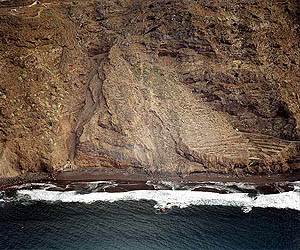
(246, 209)
(94, 184)
(27, 185)
(296, 185)
(169, 198)
(98, 182)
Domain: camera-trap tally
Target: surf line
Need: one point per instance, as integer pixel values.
(173, 198)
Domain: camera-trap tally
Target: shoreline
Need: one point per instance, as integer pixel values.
(6, 183)
(139, 177)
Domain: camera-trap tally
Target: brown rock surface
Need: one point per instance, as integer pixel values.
(170, 86)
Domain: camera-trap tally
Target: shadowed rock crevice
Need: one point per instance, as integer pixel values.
(93, 95)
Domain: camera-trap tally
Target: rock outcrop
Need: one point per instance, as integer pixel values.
(178, 86)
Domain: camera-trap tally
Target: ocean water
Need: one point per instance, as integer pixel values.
(39, 217)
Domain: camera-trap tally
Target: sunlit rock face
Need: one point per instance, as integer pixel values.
(168, 86)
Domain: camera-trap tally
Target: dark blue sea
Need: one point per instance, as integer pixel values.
(32, 223)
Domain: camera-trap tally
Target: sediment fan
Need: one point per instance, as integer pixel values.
(208, 138)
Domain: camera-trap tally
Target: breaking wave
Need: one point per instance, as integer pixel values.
(166, 198)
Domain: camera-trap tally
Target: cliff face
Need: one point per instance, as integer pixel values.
(180, 86)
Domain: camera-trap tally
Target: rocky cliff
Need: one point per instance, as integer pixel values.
(179, 86)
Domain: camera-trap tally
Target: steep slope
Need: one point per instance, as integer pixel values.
(170, 86)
